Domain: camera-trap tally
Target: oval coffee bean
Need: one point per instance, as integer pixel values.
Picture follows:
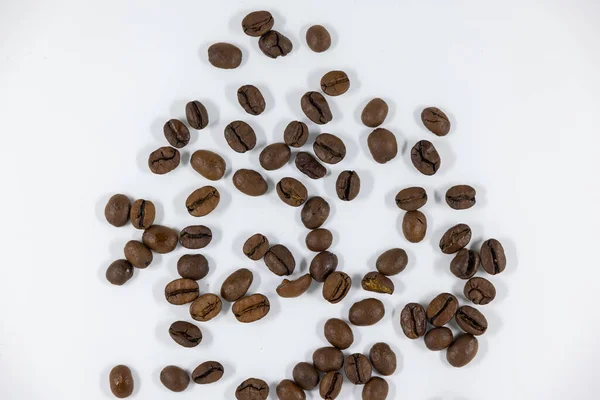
(206, 307)
(306, 376)
(174, 378)
(374, 113)
(224, 55)
(479, 290)
(274, 156)
(249, 182)
(438, 338)
(322, 265)
(331, 385)
(208, 372)
(383, 358)
(196, 115)
(358, 369)
(208, 164)
(295, 134)
(240, 136)
(251, 99)
(411, 199)
(471, 320)
(142, 214)
(461, 197)
(392, 261)
(138, 254)
(336, 287)
(316, 108)
(455, 239)
(251, 308)
(176, 133)
(413, 320)
(117, 209)
(327, 359)
(462, 351)
(436, 121)
(493, 258)
(256, 246)
(280, 260)
(164, 160)
(252, 389)
(382, 145)
(338, 333)
(376, 389)
(292, 192)
(442, 309)
(288, 390)
(465, 264)
(315, 212)
(119, 272)
(347, 185)
(237, 284)
(257, 23)
(335, 83)
(160, 239)
(377, 282)
(319, 240)
(309, 165)
(366, 312)
(121, 381)
(181, 291)
(294, 288)
(318, 38)
(185, 334)
(425, 157)
(202, 201)
(273, 44)
(195, 237)
(192, 266)
(414, 226)
(329, 148)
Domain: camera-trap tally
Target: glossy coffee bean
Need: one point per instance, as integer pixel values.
(376, 389)
(224, 55)
(335, 83)
(471, 320)
(250, 182)
(196, 114)
(329, 148)
(374, 113)
(462, 351)
(309, 166)
(295, 134)
(288, 390)
(480, 291)
(164, 160)
(240, 136)
(316, 108)
(414, 226)
(455, 239)
(181, 291)
(331, 385)
(195, 237)
(322, 265)
(185, 334)
(461, 197)
(425, 157)
(306, 376)
(319, 240)
(295, 288)
(327, 359)
(411, 199)
(208, 372)
(236, 285)
(280, 260)
(174, 378)
(413, 320)
(318, 38)
(251, 308)
(121, 381)
(347, 185)
(208, 164)
(442, 309)
(256, 246)
(206, 307)
(160, 239)
(383, 358)
(117, 209)
(377, 282)
(138, 254)
(436, 121)
(291, 191)
(257, 23)
(382, 145)
(273, 44)
(202, 201)
(492, 255)
(338, 333)
(251, 99)
(176, 133)
(274, 156)
(142, 214)
(358, 369)
(336, 287)
(465, 264)
(252, 389)
(119, 272)
(438, 338)
(315, 212)
(192, 266)
(392, 261)
(366, 312)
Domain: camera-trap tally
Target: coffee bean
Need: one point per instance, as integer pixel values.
(181, 291)
(471, 320)
(137, 254)
(142, 214)
(208, 164)
(164, 160)
(288, 390)
(327, 359)
(436, 121)
(251, 308)
(295, 134)
(292, 192)
(455, 239)
(438, 338)
(329, 148)
(192, 266)
(358, 369)
(465, 264)
(174, 378)
(366, 312)
(335, 83)
(411, 199)
(250, 182)
(121, 381)
(306, 376)
(413, 320)
(176, 133)
(295, 288)
(280, 260)
(442, 309)
(383, 358)
(160, 239)
(331, 385)
(425, 157)
(479, 291)
(252, 389)
(374, 113)
(185, 334)
(462, 351)
(377, 282)
(202, 201)
(376, 389)
(316, 108)
(119, 272)
(318, 38)
(382, 145)
(117, 209)
(319, 240)
(196, 114)
(493, 258)
(257, 23)
(224, 55)
(274, 156)
(256, 246)
(336, 287)
(392, 261)
(195, 237)
(461, 197)
(338, 333)
(414, 226)
(347, 185)
(315, 212)
(240, 136)
(322, 265)
(273, 44)
(251, 99)
(208, 372)
(236, 285)
(309, 166)
(206, 307)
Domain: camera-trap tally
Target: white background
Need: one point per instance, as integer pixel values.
(85, 88)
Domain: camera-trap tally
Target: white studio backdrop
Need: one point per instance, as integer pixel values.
(85, 87)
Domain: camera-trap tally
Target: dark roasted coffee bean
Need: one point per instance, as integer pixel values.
(315, 212)
(413, 320)
(414, 226)
(377, 282)
(455, 239)
(251, 99)
(329, 148)
(202, 201)
(273, 44)
(335, 83)
(208, 372)
(493, 258)
(462, 351)
(331, 385)
(392, 261)
(438, 338)
(316, 108)
(142, 214)
(192, 266)
(236, 285)
(374, 113)
(196, 114)
(121, 381)
(327, 359)
(376, 389)
(382, 145)
(306, 375)
(288, 390)
(294, 288)
(295, 134)
(206, 307)
(164, 160)
(411, 199)
(257, 23)
(160, 239)
(336, 287)
(292, 192)
(256, 246)
(119, 272)
(347, 185)
(465, 264)
(442, 309)
(274, 156)
(250, 182)
(224, 55)
(240, 136)
(318, 38)
(280, 260)
(461, 197)
(251, 308)
(138, 254)
(252, 389)
(176, 133)
(383, 358)
(195, 237)
(436, 121)
(425, 157)
(208, 164)
(117, 209)
(338, 333)
(358, 369)
(479, 290)
(366, 312)
(185, 334)
(181, 291)
(471, 320)
(309, 165)
(319, 239)
(322, 265)
(174, 378)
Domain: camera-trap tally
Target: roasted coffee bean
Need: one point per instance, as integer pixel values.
(318, 38)
(252, 389)
(164, 160)
(251, 308)
(250, 182)
(377, 282)
(382, 145)
(461, 197)
(479, 290)
(182, 291)
(256, 246)
(465, 264)
(392, 261)
(376, 389)
(338, 333)
(319, 239)
(492, 254)
(119, 272)
(455, 239)
(438, 338)
(206, 307)
(322, 265)
(192, 266)
(442, 309)
(174, 378)
(117, 209)
(358, 369)
(309, 166)
(329, 148)
(411, 199)
(327, 359)
(208, 372)
(257, 23)
(462, 351)
(176, 133)
(273, 44)
(294, 288)
(383, 358)
(251, 99)
(315, 212)
(347, 185)
(196, 114)
(142, 214)
(208, 164)
(160, 239)
(274, 156)
(280, 260)
(366, 312)
(306, 376)
(295, 134)
(316, 108)
(331, 385)
(335, 83)
(291, 191)
(425, 157)
(240, 136)
(413, 320)
(185, 334)
(195, 237)
(374, 113)
(138, 254)
(336, 287)
(288, 390)
(202, 201)
(224, 55)
(236, 285)
(414, 226)
(121, 381)
(436, 121)
(471, 320)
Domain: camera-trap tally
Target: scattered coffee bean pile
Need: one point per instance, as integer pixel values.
(327, 362)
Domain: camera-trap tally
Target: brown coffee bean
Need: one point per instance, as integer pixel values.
(306, 376)
(292, 192)
(273, 44)
(206, 307)
(202, 201)
(251, 99)
(438, 338)
(257, 23)
(196, 115)
(280, 260)
(374, 113)
(315, 212)
(250, 182)
(461, 197)
(322, 265)
(138, 254)
(121, 381)
(185, 334)
(119, 272)
(319, 240)
(208, 164)
(295, 288)
(436, 121)
(411, 199)
(208, 372)
(335, 83)
(425, 157)
(465, 264)
(377, 282)
(174, 378)
(392, 261)
(240, 136)
(236, 285)
(479, 290)
(329, 148)
(376, 389)
(309, 166)
(288, 390)
(327, 359)
(331, 385)
(358, 369)
(252, 389)
(192, 266)
(164, 160)
(275, 156)
(142, 214)
(316, 108)
(471, 320)
(295, 134)
(224, 55)
(383, 358)
(493, 258)
(117, 209)
(195, 237)
(382, 145)
(366, 312)
(414, 226)
(336, 287)
(338, 333)
(181, 291)
(413, 320)
(462, 351)
(442, 309)
(455, 239)
(256, 246)
(160, 239)
(176, 133)
(318, 38)
(347, 185)
(251, 308)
